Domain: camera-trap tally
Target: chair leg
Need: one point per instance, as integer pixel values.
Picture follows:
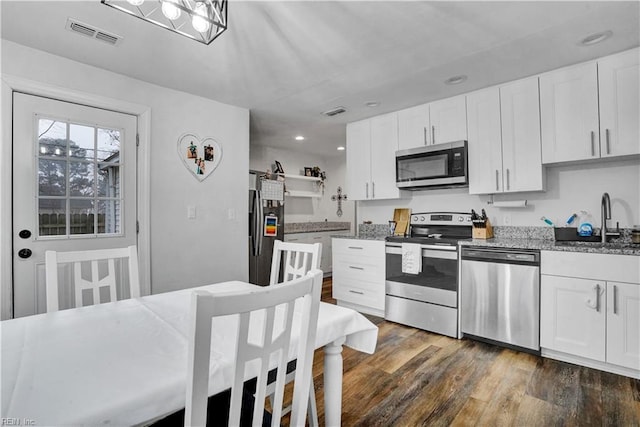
(312, 411)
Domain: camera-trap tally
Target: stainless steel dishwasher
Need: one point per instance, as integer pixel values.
(500, 296)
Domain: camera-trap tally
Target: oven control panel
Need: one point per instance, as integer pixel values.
(441, 218)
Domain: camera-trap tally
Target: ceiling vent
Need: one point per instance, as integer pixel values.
(93, 32)
(334, 111)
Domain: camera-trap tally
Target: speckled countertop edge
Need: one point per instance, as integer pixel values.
(552, 245)
(314, 227)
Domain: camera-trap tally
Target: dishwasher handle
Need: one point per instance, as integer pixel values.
(501, 255)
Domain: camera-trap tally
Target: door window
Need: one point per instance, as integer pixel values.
(79, 187)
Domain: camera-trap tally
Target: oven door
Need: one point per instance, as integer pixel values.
(438, 281)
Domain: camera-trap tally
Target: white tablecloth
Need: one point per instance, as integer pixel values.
(124, 363)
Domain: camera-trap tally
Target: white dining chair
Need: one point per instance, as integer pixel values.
(265, 325)
(92, 280)
(296, 260)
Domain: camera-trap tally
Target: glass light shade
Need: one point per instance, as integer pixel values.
(199, 23)
(135, 2)
(170, 10)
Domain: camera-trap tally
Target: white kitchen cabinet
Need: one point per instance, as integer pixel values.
(414, 127)
(590, 310)
(448, 120)
(359, 274)
(323, 237)
(623, 324)
(618, 79)
(504, 139)
(591, 110)
(437, 122)
(569, 114)
(371, 148)
(572, 316)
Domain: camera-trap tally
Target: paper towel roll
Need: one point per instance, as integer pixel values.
(511, 204)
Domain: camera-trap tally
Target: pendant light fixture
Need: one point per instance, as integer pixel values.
(201, 20)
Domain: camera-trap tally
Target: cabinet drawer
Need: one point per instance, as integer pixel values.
(619, 268)
(361, 269)
(355, 294)
(369, 248)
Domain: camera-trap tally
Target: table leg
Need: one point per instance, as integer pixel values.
(333, 383)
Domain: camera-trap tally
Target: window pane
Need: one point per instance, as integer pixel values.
(108, 180)
(52, 138)
(109, 145)
(52, 177)
(108, 216)
(52, 217)
(81, 215)
(81, 179)
(81, 141)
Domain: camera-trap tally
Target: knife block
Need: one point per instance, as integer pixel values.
(485, 232)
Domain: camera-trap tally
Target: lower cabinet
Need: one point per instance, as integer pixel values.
(359, 274)
(590, 310)
(323, 237)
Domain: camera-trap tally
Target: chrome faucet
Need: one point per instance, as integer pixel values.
(605, 214)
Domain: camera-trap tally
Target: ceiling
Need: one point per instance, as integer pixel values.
(288, 61)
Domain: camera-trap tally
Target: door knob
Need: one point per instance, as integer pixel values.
(24, 253)
(24, 234)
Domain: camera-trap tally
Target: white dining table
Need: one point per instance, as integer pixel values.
(125, 363)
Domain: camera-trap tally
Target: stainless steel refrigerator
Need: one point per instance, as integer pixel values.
(266, 224)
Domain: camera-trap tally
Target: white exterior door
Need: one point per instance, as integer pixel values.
(74, 187)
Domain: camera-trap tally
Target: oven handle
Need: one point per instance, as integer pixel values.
(428, 251)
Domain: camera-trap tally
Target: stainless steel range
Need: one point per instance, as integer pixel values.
(423, 292)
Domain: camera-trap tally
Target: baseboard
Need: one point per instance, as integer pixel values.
(589, 363)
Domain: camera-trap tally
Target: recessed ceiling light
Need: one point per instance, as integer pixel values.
(299, 138)
(372, 104)
(596, 38)
(341, 148)
(456, 80)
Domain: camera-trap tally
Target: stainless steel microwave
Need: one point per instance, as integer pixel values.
(438, 166)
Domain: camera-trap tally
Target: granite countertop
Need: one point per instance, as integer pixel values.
(360, 237)
(314, 227)
(616, 248)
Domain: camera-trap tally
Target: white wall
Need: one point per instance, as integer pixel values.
(303, 209)
(184, 253)
(570, 188)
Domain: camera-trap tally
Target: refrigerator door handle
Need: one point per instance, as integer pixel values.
(259, 224)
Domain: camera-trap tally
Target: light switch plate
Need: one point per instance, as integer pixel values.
(191, 212)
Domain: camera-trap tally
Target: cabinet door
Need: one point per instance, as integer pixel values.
(572, 316)
(448, 120)
(623, 324)
(569, 114)
(485, 142)
(384, 144)
(521, 150)
(358, 173)
(618, 77)
(414, 129)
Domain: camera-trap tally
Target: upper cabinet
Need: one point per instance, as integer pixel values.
(591, 110)
(434, 123)
(618, 78)
(371, 167)
(504, 139)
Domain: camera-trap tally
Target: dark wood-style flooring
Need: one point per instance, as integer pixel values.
(420, 378)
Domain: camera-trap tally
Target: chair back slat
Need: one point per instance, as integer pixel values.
(268, 314)
(93, 259)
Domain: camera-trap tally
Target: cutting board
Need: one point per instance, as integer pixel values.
(401, 216)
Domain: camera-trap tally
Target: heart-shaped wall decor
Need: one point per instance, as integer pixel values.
(201, 157)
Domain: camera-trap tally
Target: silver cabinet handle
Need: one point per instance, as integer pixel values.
(317, 238)
(497, 179)
(425, 135)
(615, 299)
(356, 292)
(433, 134)
(373, 190)
(608, 139)
(593, 143)
(508, 183)
(355, 247)
(594, 302)
(356, 268)
(367, 190)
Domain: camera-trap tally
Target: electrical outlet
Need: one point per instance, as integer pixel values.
(506, 219)
(191, 212)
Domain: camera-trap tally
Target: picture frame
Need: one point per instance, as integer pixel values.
(308, 171)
